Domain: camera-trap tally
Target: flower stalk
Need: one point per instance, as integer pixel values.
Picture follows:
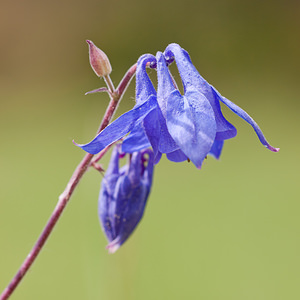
(115, 97)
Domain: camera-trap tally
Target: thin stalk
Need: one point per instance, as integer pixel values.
(115, 98)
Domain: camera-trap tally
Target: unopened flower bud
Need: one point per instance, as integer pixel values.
(98, 60)
(123, 196)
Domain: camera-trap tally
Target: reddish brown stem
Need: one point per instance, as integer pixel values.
(116, 97)
(124, 83)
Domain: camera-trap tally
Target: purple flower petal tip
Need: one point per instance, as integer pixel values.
(113, 246)
(86, 147)
(75, 143)
(273, 149)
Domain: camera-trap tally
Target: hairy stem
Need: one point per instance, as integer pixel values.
(115, 98)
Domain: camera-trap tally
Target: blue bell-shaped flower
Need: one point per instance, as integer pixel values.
(123, 195)
(186, 126)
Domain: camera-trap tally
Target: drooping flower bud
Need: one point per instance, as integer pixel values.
(98, 60)
(123, 196)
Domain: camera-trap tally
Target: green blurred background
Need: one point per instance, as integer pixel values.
(228, 231)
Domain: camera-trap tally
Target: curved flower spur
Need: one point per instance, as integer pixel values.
(123, 195)
(184, 127)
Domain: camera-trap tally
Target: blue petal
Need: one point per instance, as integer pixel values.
(191, 123)
(216, 149)
(136, 140)
(242, 114)
(158, 134)
(120, 127)
(107, 201)
(225, 130)
(157, 157)
(131, 193)
(129, 211)
(106, 206)
(113, 167)
(135, 169)
(164, 89)
(191, 78)
(165, 85)
(189, 75)
(151, 126)
(148, 172)
(144, 86)
(166, 142)
(190, 118)
(177, 156)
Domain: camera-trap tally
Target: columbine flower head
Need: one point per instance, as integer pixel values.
(123, 195)
(184, 127)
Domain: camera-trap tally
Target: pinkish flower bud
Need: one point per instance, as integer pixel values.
(98, 60)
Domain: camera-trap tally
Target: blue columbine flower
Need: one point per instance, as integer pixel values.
(195, 120)
(123, 195)
(184, 127)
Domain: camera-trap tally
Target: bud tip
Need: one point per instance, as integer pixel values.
(98, 60)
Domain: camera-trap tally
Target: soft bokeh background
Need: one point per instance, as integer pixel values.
(228, 231)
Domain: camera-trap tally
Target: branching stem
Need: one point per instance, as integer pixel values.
(115, 98)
